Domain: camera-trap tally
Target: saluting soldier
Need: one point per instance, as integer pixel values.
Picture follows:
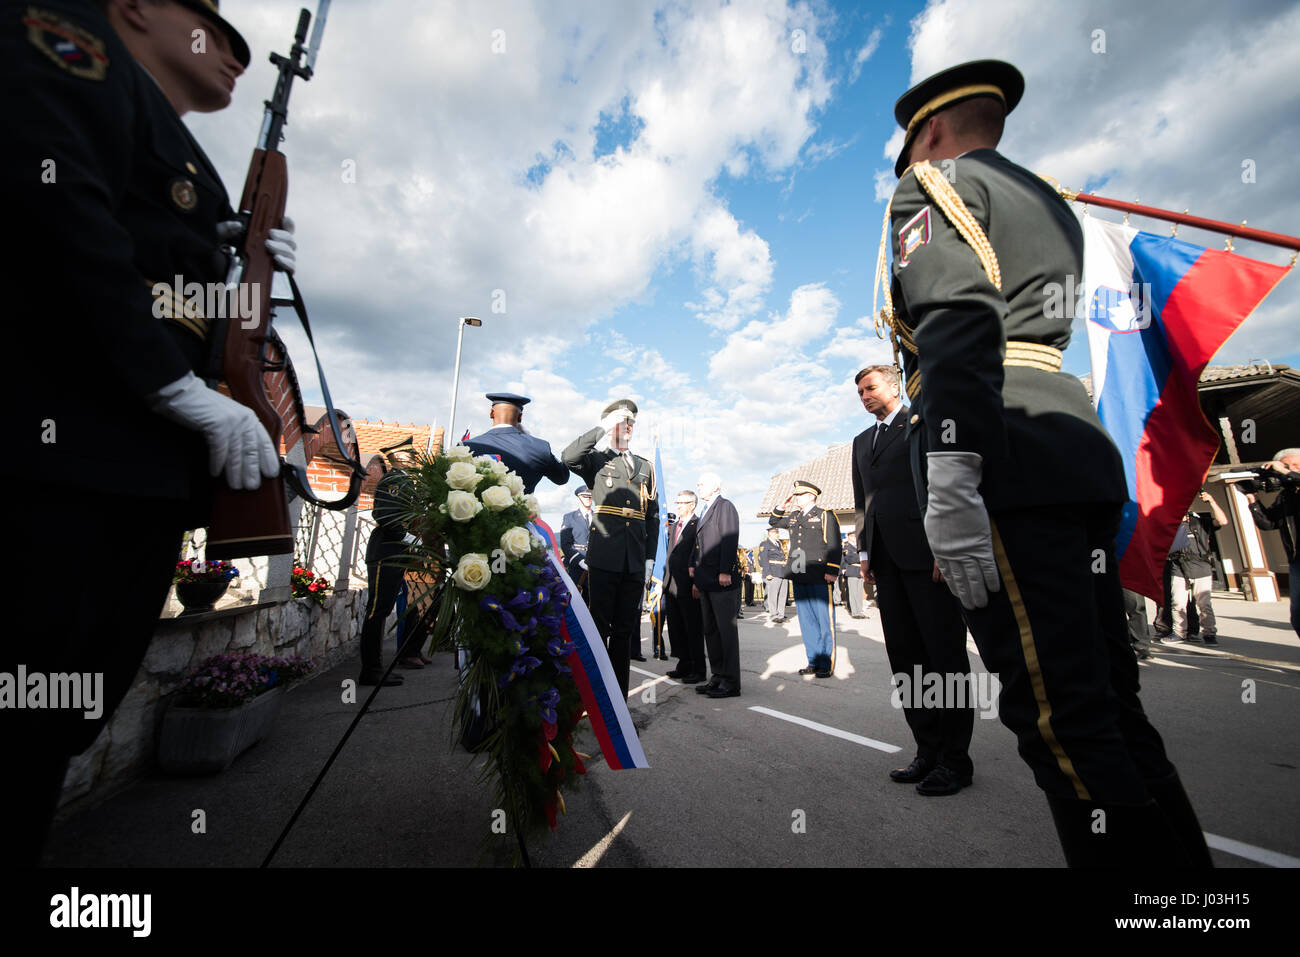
(812, 569)
(113, 199)
(526, 455)
(1022, 485)
(624, 530)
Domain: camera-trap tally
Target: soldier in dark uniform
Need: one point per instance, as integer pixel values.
(575, 531)
(388, 545)
(526, 455)
(624, 531)
(851, 578)
(772, 560)
(1021, 485)
(119, 438)
(813, 567)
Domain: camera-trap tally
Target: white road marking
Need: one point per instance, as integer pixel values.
(1259, 855)
(593, 856)
(647, 684)
(827, 729)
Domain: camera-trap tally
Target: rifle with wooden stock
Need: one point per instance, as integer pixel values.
(249, 353)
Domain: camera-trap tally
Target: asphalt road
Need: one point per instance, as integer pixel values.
(733, 782)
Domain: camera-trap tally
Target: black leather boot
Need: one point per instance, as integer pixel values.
(1177, 807)
(1128, 836)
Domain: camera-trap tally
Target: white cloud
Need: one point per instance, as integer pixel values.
(864, 54)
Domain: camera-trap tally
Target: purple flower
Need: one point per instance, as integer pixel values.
(521, 667)
(548, 703)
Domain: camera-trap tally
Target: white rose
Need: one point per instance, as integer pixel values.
(498, 497)
(515, 484)
(460, 454)
(463, 475)
(517, 542)
(533, 506)
(462, 506)
(498, 468)
(483, 460)
(472, 573)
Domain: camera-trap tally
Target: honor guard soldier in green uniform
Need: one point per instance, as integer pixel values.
(1021, 485)
(111, 202)
(624, 530)
(813, 568)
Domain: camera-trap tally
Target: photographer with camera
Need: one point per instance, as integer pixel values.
(1281, 475)
(1192, 572)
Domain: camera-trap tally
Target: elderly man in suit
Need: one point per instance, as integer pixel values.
(715, 572)
(526, 455)
(682, 607)
(921, 619)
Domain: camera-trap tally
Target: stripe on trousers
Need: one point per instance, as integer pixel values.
(830, 610)
(1030, 652)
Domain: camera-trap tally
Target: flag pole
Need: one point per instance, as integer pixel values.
(1213, 225)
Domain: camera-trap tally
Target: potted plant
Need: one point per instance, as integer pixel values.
(222, 708)
(200, 584)
(306, 584)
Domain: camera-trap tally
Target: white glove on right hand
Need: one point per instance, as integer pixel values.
(614, 418)
(957, 526)
(237, 442)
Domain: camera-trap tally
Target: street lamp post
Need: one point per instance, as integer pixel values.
(455, 381)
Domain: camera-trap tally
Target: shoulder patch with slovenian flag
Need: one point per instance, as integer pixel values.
(1157, 309)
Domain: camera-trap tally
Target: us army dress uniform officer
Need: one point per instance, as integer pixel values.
(1022, 485)
(813, 568)
(526, 455)
(109, 195)
(624, 529)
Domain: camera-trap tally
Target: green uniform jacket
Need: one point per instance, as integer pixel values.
(1041, 441)
(106, 193)
(618, 543)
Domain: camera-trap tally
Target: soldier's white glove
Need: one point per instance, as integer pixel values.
(279, 242)
(614, 418)
(649, 569)
(409, 539)
(957, 526)
(582, 563)
(237, 442)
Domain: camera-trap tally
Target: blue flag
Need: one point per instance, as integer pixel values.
(657, 576)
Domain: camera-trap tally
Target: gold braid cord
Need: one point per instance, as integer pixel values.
(942, 193)
(898, 331)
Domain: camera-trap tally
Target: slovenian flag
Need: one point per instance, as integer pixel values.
(593, 673)
(1157, 311)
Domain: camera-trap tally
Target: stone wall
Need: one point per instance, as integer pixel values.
(125, 748)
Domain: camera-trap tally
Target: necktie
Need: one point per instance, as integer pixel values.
(875, 436)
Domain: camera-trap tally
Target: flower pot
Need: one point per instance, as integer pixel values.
(203, 740)
(198, 597)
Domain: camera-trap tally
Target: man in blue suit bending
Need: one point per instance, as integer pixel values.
(526, 455)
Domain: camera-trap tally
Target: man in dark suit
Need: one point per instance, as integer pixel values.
(682, 606)
(624, 532)
(575, 530)
(921, 619)
(715, 572)
(772, 560)
(526, 455)
(1022, 486)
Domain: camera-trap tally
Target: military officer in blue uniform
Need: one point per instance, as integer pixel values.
(526, 455)
(112, 198)
(812, 568)
(624, 531)
(575, 531)
(1021, 487)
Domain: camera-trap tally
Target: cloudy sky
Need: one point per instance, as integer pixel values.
(681, 202)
